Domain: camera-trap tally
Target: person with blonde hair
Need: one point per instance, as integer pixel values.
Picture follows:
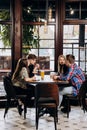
(62, 68)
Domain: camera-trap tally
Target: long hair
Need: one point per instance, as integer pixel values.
(20, 64)
(60, 67)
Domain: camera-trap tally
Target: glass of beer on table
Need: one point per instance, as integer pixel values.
(42, 73)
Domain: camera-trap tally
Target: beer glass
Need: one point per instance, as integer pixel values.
(42, 74)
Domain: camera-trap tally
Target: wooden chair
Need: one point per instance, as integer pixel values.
(11, 95)
(46, 98)
(83, 96)
(80, 98)
(68, 99)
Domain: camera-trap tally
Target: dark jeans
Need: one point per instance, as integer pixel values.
(30, 92)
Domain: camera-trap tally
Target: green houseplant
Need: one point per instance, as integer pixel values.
(29, 39)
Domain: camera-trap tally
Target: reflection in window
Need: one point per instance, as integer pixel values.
(46, 43)
(49, 34)
(35, 39)
(37, 10)
(5, 11)
(76, 10)
(71, 32)
(74, 42)
(43, 45)
(72, 10)
(5, 47)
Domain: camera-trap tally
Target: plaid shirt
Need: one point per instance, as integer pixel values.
(76, 76)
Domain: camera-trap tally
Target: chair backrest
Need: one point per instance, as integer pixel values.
(8, 86)
(83, 89)
(83, 95)
(47, 90)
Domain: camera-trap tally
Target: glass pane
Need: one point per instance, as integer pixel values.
(72, 10)
(5, 52)
(5, 59)
(26, 51)
(5, 11)
(71, 32)
(70, 41)
(82, 65)
(86, 67)
(67, 51)
(82, 54)
(76, 53)
(37, 10)
(86, 33)
(84, 10)
(75, 45)
(77, 62)
(5, 49)
(30, 37)
(5, 34)
(47, 52)
(86, 52)
(52, 65)
(46, 43)
(85, 41)
(67, 45)
(48, 35)
(51, 4)
(44, 62)
(32, 10)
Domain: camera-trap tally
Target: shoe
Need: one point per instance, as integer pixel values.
(42, 112)
(50, 111)
(64, 110)
(20, 109)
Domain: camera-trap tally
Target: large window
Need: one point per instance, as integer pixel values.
(76, 10)
(5, 36)
(75, 42)
(39, 31)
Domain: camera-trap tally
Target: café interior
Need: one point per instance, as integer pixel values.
(46, 28)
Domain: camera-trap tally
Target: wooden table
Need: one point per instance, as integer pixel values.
(47, 79)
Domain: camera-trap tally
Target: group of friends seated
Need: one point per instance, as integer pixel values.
(67, 70)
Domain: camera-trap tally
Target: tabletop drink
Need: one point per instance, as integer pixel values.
(52, 74)
(42, 74)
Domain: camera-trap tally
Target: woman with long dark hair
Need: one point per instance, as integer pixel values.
(21, 77)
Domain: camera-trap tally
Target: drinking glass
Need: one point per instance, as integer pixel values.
(42, 74)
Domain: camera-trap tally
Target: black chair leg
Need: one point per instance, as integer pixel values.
(37, 116)
(25, 111)
(6, 111)
(55, 119)
(7, 107)
(68, 107)
(56, 115)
